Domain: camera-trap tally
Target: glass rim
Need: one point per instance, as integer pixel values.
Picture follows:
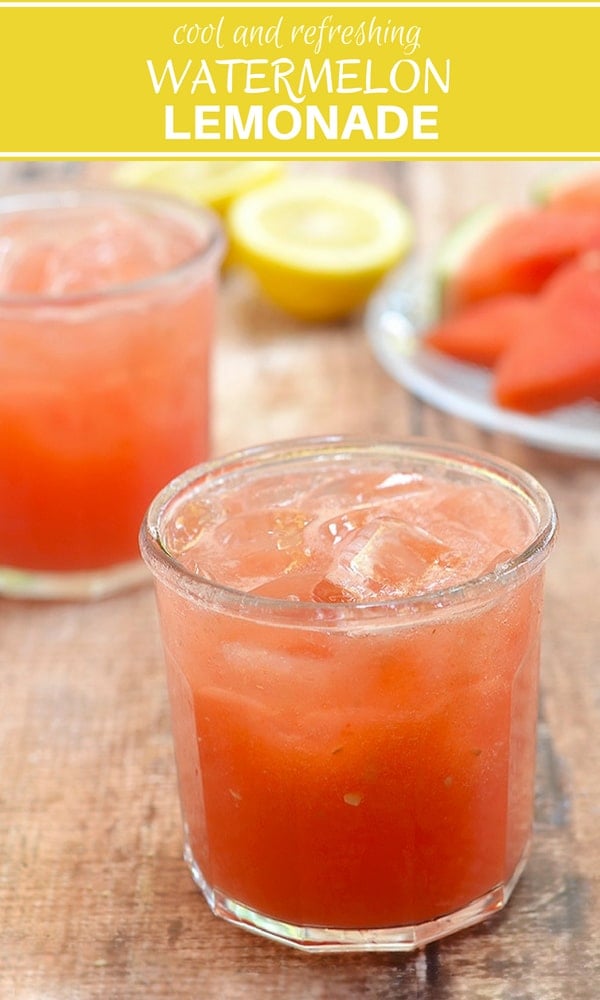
(484, 588)
(198, 219)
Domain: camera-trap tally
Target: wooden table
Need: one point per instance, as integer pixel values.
(95, 901)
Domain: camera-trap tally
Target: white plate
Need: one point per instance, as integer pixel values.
(395, 319)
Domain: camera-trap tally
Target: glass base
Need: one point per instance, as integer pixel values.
(328, 939)
(81, 586)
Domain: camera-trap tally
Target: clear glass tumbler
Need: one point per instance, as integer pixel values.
(106, 316)
(354, 729)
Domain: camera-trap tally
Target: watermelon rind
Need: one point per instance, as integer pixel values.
(457, 247)
(561, 181)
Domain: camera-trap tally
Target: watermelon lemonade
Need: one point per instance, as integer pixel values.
(352, 641)
(106, 314)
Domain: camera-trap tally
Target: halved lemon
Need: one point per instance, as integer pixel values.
(215, 183)
(319, 245)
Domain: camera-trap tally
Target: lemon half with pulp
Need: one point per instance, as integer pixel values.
(215, 183)
(318, 246)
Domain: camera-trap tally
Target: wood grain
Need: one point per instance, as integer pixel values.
(95, 901)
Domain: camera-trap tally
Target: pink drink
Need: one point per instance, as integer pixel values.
(106, 317)
(352, 641)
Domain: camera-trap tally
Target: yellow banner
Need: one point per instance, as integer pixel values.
(314, 80)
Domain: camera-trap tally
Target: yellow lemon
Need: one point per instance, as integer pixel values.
(215, 183)
(319, 245)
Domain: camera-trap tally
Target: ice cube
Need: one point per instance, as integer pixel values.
(100, 247)
(250, 549)
(86, 248)
(335, 529)
(274, 491)
(499, 558)
(279, 529)
(496, 514)
(26, 248)
(401, 485)
(185, 530)
(101, 251)
(378, 497)
(469, 553)
(358, 489)
(384, 559)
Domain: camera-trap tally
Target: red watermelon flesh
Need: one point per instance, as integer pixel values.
(482, 332)
(519, 254)
(557, 362)
(583, 192)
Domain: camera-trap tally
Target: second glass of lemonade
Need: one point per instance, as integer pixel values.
(352, 633)
(107, 303)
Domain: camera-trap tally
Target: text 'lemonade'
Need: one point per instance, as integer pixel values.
(352, 639)
(106, 312)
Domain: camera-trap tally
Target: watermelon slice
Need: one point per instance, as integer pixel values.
(482, 332)
(520, 253)
(557, 361)
(580, 191)
(457, 247)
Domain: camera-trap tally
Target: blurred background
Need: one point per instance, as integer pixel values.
(287, 375)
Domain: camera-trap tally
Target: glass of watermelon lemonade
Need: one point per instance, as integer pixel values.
(351, 632)
(106, 315)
